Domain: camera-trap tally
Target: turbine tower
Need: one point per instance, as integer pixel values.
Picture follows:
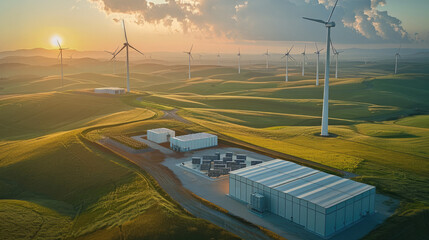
(328, 24)
(113, 58)
(287, 56)
(336, 54)
(239, 64)
(317, 64)
(303, 60)
(61, 55)
(397, 55)
(266, 59)
(127, 46)
(190, 56)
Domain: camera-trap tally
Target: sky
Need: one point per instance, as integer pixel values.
(211, 25)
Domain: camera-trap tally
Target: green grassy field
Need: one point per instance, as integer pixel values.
(61, 185)
(54, 184)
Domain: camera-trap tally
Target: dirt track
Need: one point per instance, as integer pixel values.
(151, 163)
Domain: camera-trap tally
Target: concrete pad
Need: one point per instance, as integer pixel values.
(216, 192)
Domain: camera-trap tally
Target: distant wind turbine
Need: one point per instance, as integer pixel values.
(266, 59)
(328, 24)
(239, 64)
(61, 55)
(127, 45)
(397, 55)
(113, 58)
(190, 56)
(317, 64)
(336, 54)
(218, 58)
(303, 60)
(287, 56)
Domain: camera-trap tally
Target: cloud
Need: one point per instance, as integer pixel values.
(358, 21)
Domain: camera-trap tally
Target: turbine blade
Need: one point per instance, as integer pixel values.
(136, 50)
(333, 9)
(118, 52)
(284, 56)
(290, 50)
(125, 31)
(191, 56)
(292, 58)
(321, 49)
(317, 49)
(59, 45)
(315, 20)
(109, 52)
(190, 50)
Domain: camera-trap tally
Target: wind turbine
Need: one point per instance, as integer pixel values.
(287, 56)
(397, 55)
(336, 54)
(61, 55)
(303, 60)
(317, 65)
(328, 24)
(113, 58)
(218, 58)
(127, 46)
(266, 59)
(239, 64)
(190, 56)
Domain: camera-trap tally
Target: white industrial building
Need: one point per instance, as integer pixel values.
(160, 135)
(322, 203)
(110, 90)
(193, 142)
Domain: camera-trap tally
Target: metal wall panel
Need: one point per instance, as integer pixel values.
(357, 210)
(349, 214)
(243, 191)
(320, 223)
(311, 219)
(231, 186)
(274, 204)
(365, 205)
(303, 215)
(371, 203)
(289, 207)
(295, 212)
(330, 223)
(248, 191)
(282, 207)
(340, 219)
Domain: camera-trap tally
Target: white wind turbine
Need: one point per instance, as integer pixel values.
(336, 54)
(397, 55)
(317, 64)
(328, 24)
(266, 59)
(127, 45)
(113, 58)
(287, 56)
(303, 60)
(190, 56)
(61, 55)
(239, 58)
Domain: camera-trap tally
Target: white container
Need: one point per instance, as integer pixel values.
(160, 135)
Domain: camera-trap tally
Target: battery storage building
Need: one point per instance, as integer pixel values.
(193, 142)
(322, 203)
(160, 135)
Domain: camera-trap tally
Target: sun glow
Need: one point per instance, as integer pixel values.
(55, 40)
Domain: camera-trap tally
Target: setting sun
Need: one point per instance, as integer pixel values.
(55, 40)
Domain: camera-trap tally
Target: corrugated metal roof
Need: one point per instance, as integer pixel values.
(194, 136)
(161, 130)
(317, 187)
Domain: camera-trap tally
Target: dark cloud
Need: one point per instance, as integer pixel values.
(358, 21)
